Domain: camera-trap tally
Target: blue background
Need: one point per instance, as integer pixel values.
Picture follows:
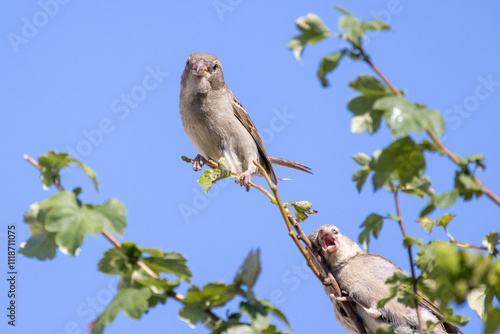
(69, 76)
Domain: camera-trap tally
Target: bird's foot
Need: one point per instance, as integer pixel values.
(198, 163)
(333, 298)
(246, 177)
(372, 312)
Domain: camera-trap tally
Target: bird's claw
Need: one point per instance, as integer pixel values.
(246, 177)
(198, 163)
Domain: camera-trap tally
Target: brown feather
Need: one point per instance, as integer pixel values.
(245, 120)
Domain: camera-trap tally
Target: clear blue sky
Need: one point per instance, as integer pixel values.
(66, 80)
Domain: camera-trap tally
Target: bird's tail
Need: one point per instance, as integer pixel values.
(289, 164)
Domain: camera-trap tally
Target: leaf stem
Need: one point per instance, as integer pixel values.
(410, 256)
(330, 279)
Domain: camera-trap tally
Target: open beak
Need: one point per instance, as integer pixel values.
(329, 243)
(199, 68)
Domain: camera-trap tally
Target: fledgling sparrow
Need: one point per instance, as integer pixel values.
(361, 277)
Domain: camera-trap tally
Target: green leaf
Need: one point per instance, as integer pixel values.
(445, 220)
(370, 87)
(365, 117)
(114, 262)
(131, 250)
(354, 28)
(211, 176)
(313, 30)
(427, 224)
(467, 185)
(259, 320)
(360, 177)
(217, 294)
(492, 323)
(192, 314)
(445, 200)
(409, 241)
(375, 25)
(362, 159)
(61, 199)
(478, 159)
(87, 171)
(186, 159)
(50, 165)
(170, 262)
(327, 65)
(431, 119)
(113, 212)
(372, 224)
(418, 186)
(302, 209)
(476, 299)
(274, 311)
(401, 115)
(403, 157)
(71, 225)
(132, 302)
(249, 270)
(491, 242)
(41, 246)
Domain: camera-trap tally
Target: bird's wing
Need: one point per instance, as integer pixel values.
(245, 120)
(424, 302)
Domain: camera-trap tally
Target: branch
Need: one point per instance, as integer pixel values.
(330, 279)
(413, 277)
(212, 164)
(118, 245)
(453, 157)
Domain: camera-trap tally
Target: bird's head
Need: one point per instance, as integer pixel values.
(203, 72)
(333, 245)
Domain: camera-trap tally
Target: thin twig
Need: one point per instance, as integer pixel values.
(467, 245)
(330, 279)
(413, 276)
(435, 139)
(177, 296)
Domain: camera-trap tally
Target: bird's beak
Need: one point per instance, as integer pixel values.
(329, 243)
(199, 68)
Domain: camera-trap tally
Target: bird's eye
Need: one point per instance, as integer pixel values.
(187, 62)
(216, 66)
(335, 232)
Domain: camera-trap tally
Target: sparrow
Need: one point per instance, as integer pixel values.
(361, 277)
(218, 125)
